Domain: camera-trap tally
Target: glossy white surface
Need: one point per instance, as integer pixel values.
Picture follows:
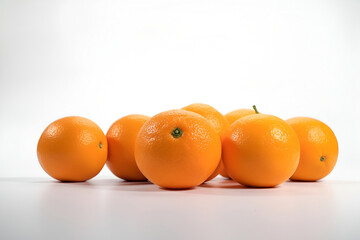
(108, 208)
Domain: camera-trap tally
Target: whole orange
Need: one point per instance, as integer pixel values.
(72, 149)
(260, 150)
(238, 113)
(232, 117)
(217, 120)
(177, 149)
(121, 138)
(319, 149)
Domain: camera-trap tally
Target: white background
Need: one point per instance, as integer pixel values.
(106, 59)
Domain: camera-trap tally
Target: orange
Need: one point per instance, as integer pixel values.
(222, 170)
(319, 149)
(232, 117)
(216, 172)
(217, 120)
(72, 149)
(121, 153)
(238, 113)
(260, 150)
(177, 149)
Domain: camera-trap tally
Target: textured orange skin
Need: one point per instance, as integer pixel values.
(232, 117)
(182, 162)
(216, 119)
(261, 150)
(121, 138)
(68, 149)
(316, 140)
(236, 114)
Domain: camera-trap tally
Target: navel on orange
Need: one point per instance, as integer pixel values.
(177, 149)
(121, 138)
(72, 149)
(319, 149)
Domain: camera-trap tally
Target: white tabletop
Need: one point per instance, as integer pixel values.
(108, 208)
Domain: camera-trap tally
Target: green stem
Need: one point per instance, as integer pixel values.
(100, 145)
(256, 111)
(322, 158)
(176, 133)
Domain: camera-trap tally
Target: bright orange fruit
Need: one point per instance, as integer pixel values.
(222, 170)
(177, 149)
(121, 138)
(232, 117)
(72, 149)
(239, 113)
(217, 120)
(319, 149)
(260, 150)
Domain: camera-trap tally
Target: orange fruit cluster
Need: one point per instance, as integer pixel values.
(186, 147)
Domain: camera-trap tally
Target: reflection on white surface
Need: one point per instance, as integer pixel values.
(220, 209)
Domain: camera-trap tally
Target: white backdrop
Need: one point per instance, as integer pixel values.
(106, 59)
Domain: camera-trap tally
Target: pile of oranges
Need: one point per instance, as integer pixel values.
(186, 147)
